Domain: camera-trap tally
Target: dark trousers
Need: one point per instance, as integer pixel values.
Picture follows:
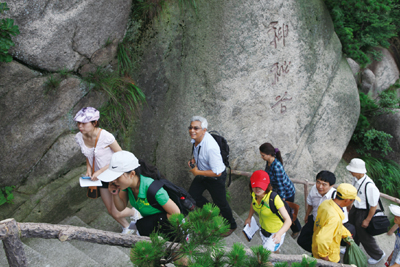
(356, 217)
(305, 238)
(296, 226)
(216, 188)
(155, 223)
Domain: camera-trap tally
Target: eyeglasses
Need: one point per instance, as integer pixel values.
(194, 128)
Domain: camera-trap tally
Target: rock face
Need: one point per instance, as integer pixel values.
(64, 34)
(258, 72)
(386, 72)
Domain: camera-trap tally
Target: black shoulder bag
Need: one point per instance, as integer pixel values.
(379, 223)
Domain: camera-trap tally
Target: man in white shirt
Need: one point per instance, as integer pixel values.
(321, 191)
(362, 212)
(209, 170)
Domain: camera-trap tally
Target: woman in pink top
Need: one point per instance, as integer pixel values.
(88, 125)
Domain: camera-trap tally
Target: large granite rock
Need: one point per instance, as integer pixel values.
(64, 34)
(33, 118)
(386, 72)
(258, 72)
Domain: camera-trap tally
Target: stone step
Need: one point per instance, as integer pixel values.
(59, 254)
(104, 255)
(33, 257)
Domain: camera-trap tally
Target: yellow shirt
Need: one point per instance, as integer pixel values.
(269, 221)
(328, 231)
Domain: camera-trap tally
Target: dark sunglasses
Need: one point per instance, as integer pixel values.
(194, 127)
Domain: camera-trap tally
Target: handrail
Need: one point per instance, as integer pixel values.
(306, 183)
(11, 231)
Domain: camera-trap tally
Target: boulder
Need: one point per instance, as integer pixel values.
(355, 68)
(386, 72)
(259, 73)
(367, 81)
(33, 118)
(63, 34)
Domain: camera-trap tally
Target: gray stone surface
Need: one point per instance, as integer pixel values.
(221, 64)
(58, 160)
(386, 71)
(367, 81)
(62, 34)
(355, 68)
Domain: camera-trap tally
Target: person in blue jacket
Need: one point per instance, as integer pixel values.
(280, 181)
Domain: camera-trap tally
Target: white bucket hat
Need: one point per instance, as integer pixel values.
(357, 166)
(395, 210)
(121, 161)
(87, 114)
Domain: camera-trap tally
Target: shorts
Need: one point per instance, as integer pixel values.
(269, 244)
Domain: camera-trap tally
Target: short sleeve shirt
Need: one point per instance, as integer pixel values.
(207, 155)
(141, 204)
(269, 221)
(102, 152)
(372, 191)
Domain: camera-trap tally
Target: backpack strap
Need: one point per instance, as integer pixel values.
(366, 199)
(272, 205)
(151, 194)
(333, 194)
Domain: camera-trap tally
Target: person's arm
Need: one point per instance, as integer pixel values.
(371, 214)
(208, 173)
(286, 225)
(115, 148)
(251, 212)
(278, 173)
(120, 197)
(171, 208)
(88, 168)
(308, 211)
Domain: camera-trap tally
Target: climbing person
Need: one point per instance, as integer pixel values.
(273, 230)
(129, 181)
(209, 170)
(394, 258)
(362, 211)
(279, 179)
(98, 146)
(321, 191)
(328, 226)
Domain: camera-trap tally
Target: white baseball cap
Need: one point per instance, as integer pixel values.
(395, 210)
(357, 166)
(121, 161)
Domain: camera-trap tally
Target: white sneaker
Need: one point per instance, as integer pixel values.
(137, 216)
(127, 231)
(342, 250)
(373, 261)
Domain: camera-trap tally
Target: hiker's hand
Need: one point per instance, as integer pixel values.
(390, 257)
(94, 176)
(277, 238)
(306, 219)
(365, 223)
(194, 170)
(247, 221)
(325, 258)
(113, 188)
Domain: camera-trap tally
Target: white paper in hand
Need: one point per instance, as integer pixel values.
(88, 182)
(250, 231)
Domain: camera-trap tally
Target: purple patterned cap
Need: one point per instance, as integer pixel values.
(87, 114)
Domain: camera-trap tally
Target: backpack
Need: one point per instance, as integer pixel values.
(177, 194)
(275, 210)
(224, 150)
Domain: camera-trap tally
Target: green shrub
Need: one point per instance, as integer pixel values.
(52, 83)
(7, 28)
(385, 173)
(362, 25)
(6, 195)
(365, 137)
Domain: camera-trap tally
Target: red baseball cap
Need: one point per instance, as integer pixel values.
(260, 179)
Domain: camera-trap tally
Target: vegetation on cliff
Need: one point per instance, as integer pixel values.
(7, 29)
